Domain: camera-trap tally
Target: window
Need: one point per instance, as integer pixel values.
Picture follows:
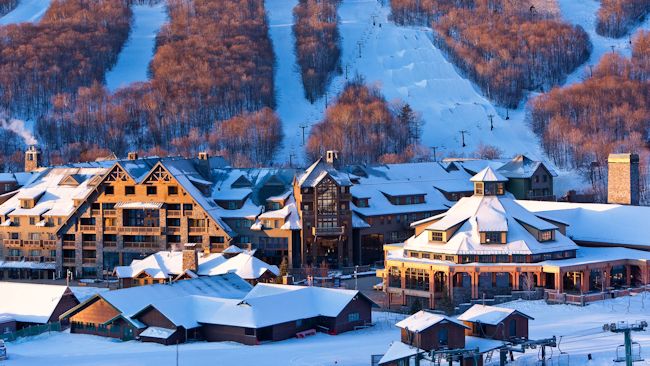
(417, 279)
(478, 188)
(500, 190)
(32, 220)
(53, 253)
(172, 190)
(492, 237)
(249, 331)
(34, 253)
(129, 190)
(14, 252)
(545, 178)
(152, 190)
(109, 190)
(353, 317)
(443, 336)
(546, 235)
(394, 277)
(326, 204)
(436, 236)
(188, 206)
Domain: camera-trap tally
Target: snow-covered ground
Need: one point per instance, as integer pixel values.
(26, 11)
(134, 59)
(583, 13)
(580, 328)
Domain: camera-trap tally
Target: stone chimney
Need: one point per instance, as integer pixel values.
(133, 155)
(190, 258)
(203, 164)
(623, 179)
(332, 158)
(32, 159)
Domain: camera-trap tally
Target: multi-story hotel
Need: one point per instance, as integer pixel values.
(89, 218)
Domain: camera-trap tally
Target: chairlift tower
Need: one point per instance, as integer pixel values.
(627, 329)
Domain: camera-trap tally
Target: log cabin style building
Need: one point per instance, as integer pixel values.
(219, 308)
(489, 244)
(495, 322)
(88, 218)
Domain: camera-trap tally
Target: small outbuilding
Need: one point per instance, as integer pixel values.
(430, 331)
(28, 304)
(494, 322)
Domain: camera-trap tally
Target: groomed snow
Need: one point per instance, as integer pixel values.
(580, 328)
(134, 59)
(26, 11)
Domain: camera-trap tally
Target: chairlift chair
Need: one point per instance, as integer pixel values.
(636, 353)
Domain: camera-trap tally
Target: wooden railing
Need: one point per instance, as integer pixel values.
(67, 260)
(327, 231)
(89, 244)
(33, 243)
(139, 229)
(12, 258)
(89, 260)
(110, 212)
(110, 228)
(87, 228)
(68, 243)
(129, 244)
(197, 229)
(173, 229)
(94, 212)
(13, 242)
(110, 244)
(173, 213)
(188, 213)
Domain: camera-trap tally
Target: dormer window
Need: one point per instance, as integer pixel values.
(436, 236)
(493, 237)
(546, 235)
(478, 188)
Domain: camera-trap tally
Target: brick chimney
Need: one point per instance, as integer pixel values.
(623, 179)
(332, 158)
(133, 155)
(203, 164)
(32, 159)
(190, 258)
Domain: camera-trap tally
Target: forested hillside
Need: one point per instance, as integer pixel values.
(608, 112)
(365, 128)
(317, 44)
(73, 46)
(506, 48)
(617, 17)
(214, 61)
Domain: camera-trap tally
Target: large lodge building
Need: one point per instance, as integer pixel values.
(88, 218)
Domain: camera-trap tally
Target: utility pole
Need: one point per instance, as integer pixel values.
(374, 20)
(291, 156)
(346, 71)
(462, 134)
(359, 43)
(303, 132)
(507, 114)
(434, 148)
(491, 117)
(626, 329)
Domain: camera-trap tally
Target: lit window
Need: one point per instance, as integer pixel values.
(478, 188)
(436, 236)
(492, 237)
(546, 235)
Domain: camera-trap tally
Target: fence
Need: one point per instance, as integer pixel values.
(583, 299)
(31, 331)
(112, 331)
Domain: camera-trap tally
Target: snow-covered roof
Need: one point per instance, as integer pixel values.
(157, 332)
(22, 264)
(600, 223)
(488, 175)
(487, 314)
(523, 167)
(423, 320)
(483, 344)
(30, 303)
(398, 351)
(165, 265)
(478, 214)
(319, 170)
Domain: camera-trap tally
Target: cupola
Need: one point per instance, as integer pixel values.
(488, 182)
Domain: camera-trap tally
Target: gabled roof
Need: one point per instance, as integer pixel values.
(319, 170)
(30, 303)
(486, 314)
(398, 351)
(246, 266)
(423, 320)
(488, 175)
(523, 167)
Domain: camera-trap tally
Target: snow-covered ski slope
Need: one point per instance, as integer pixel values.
(26, 11)
(406, 66)
(133, 61)
(583, 13)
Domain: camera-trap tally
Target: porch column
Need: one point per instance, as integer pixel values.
(450, 285)
(474, 281)
(585, 280)
(628, 275)
(541, 279)
(559, 281)
(608, 277)
(432, 288)
(516, 276)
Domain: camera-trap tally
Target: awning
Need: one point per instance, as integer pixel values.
(139, 205)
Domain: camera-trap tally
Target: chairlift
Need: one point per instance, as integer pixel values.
(563, 358)
(636, 353)
(3, 350)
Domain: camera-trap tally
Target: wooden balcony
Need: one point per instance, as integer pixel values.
(68, 261)
(141, 245)
(89, 244)
(89, 260)
(14, 242)
(110, 244)
(36, 258)
(173, 229)
(49, 243)
(110, 228)
(32, 243)
(68, 244)
(188, 213)
(94, 212)
(197, 229)
(13, 258)
(156, 230)
(327, 231)
(90, 228)
(110, 213)
(173, 213)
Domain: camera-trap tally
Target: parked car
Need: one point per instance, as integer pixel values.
(3, 350)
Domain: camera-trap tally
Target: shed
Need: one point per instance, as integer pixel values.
(495, 322)
(430, 331)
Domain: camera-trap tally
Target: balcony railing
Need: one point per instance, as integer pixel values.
(49, 242)
(68, 244)
(173, 213)
(32, 243)
(94, 212)
(89, 260)
(13, 242)
(197, 229)
(140, 229)
(130, 244)
(110, 244)
(173, 229)
(12, 258)
(89, 244)
(68, 261)
(327, 231)
(87, 228)
(110, 228)
(110, 212)
(188, 213)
